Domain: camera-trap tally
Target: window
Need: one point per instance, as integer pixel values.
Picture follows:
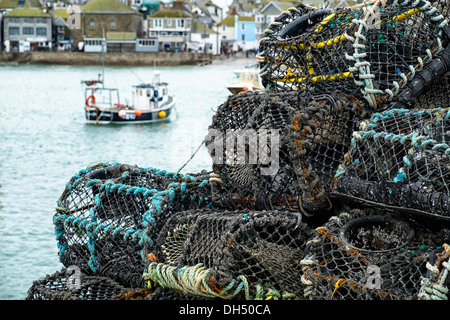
(224, 28)
(41, 20)
(28, 30)
(147, 42)
(41, 31)
(14, 19)
(169, 22)
(243, 37)
(113, 24)
(158, 23)
(243, 26)
(28, 20)
(92, 24)
(180, 23)
(14, 31)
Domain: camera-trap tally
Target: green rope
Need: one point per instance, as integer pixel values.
(194, 280)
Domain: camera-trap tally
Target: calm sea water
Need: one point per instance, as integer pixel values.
(45, 140)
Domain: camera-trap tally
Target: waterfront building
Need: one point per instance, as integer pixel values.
(108, 25)
(27, 29)
(204, 39)
(207, 12)
(226, 33)
(245, 33)
(268, 13)
(62, 34)
(172, 27)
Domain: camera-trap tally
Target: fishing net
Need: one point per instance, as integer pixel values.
(280, 150)
(332, 183)
(369, 51)
(236, 254)
(401, 158)
(58, 287)
(109, 213)
(368, 254)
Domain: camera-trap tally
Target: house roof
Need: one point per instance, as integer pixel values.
(244, 18)
(228, 21)
(61, 13)
(8, 3)
(19, 3)
(276, 7)
(198, 27)
(113, 35)
(27, 12)
(106, 6)
(167, 13)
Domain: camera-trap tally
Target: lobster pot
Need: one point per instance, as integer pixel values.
(279, 150)
(400, 159)
(369, 51)
(437, 97)
(263, 248)
(102, 218)
(60, 286)
(371, 255)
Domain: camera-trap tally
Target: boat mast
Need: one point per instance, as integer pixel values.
(103, 57)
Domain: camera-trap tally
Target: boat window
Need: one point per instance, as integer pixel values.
(140, 93)
(148, 93)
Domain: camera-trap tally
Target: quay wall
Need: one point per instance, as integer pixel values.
(111, 58)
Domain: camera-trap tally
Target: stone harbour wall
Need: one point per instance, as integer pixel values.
(111, 58)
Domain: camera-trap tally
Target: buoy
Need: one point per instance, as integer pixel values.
(90, 101)
(138, 113)
(245, 88)
(162, 114)
(122, 113)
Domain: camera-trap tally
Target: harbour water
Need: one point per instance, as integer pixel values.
(45, 140)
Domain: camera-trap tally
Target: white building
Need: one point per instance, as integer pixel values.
(26, 29)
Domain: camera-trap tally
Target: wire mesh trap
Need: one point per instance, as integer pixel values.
(369, 51)
(400, 158)
(237, 254)
(59, 286)
(109, 212)
(332, 183)
(368, 254)
(280, 150)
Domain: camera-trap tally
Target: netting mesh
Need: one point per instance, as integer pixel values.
(55, 287)
(401, 158)
(371, 255)
(109, 213)
(280, 150)
(370, 51)
(331, 183)
(260, 248)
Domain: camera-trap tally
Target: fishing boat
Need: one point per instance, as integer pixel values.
(151, 102)
(247, 79)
